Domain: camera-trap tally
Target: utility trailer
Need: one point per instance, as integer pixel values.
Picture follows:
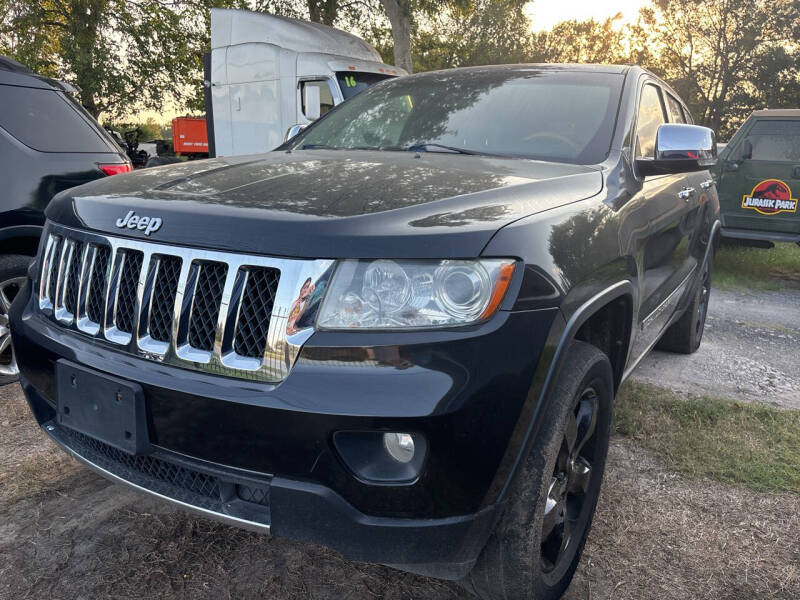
(189, 137)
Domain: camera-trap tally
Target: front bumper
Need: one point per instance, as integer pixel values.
(262, 456)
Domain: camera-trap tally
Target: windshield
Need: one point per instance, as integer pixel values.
(562, 116)
(354, 82)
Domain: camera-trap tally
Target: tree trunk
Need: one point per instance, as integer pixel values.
(323, 11)
(399, 17)
(84, 24)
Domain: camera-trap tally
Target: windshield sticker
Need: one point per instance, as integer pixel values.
(770, 197)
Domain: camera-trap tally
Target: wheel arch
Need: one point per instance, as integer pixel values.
(586, 324)
(20, 239)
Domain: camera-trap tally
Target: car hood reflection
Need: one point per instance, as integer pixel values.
(333, 202)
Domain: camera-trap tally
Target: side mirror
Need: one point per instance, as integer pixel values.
(293, 131)
(312, 102)
(747, 150)
(680, 149)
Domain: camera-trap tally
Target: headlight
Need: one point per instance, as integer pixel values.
(388, 294)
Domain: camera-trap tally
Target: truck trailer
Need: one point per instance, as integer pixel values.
(266, 74)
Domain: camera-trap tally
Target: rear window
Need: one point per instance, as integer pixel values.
(46, 120)
(775, 140)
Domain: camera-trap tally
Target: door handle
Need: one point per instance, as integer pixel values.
(707, 184)
(686, 193)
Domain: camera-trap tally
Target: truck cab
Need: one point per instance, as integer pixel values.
(266, 74)
(758, 177)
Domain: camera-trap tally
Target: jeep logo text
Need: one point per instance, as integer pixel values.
(146, 224)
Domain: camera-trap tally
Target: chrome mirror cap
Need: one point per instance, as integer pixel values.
(680, 148)
(293, 131)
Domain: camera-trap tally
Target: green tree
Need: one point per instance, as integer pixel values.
(587, 41)
(726, 57)
(121, 54)
(481, 33)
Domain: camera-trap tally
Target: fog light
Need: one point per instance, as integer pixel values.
(400, 446)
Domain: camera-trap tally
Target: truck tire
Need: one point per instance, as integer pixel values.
(13, 270)
(684, 336)
(534, 550)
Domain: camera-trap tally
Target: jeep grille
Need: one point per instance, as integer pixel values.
(211, 311)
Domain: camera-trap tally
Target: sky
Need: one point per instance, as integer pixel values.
(546, 13)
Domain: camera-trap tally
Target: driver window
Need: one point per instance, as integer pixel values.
(325, 95)
(651, 115)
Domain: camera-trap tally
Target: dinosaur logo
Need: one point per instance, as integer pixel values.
(770, 197)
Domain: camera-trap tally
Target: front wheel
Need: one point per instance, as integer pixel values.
(538, 541)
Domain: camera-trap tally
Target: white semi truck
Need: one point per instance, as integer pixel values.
(266, 74)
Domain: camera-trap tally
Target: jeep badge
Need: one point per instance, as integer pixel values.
(146, 224)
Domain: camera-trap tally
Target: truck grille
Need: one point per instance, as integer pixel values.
(211, 311)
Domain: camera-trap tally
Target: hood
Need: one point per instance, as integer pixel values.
(330, 203)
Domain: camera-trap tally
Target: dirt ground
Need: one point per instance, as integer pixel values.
(67, 533)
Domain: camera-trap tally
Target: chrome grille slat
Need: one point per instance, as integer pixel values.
(111, 332)
(57, 288)
(47, 289)
(72, 279)
(186, 307)
(93, 261)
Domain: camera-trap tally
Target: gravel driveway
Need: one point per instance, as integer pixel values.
(750, 351)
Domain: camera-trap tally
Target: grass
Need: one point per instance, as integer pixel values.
(753, 445)
(737, 267)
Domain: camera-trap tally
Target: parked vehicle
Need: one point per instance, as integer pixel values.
(189, 137)
(399, 336)
(758, 177)
(137, 156)
(47, 143)
(266, 74)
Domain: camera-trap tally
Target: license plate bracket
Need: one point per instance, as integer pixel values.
(102, 406)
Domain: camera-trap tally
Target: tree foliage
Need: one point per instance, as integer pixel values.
(726, 57)
(479, 33)
(119, 53)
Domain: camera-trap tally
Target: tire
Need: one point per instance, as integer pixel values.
(684, 336)
(522, 560)
(13, 271)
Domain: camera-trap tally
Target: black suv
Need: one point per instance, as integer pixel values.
(400, 335)
(47, 143)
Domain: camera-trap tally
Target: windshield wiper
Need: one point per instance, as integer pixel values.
(371, 148)
(455, 149)
(318, 147)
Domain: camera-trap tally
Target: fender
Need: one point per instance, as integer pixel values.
(536, 406)
(20, 231)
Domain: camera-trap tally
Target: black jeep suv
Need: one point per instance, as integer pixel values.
(47, 144)
(399, 335)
